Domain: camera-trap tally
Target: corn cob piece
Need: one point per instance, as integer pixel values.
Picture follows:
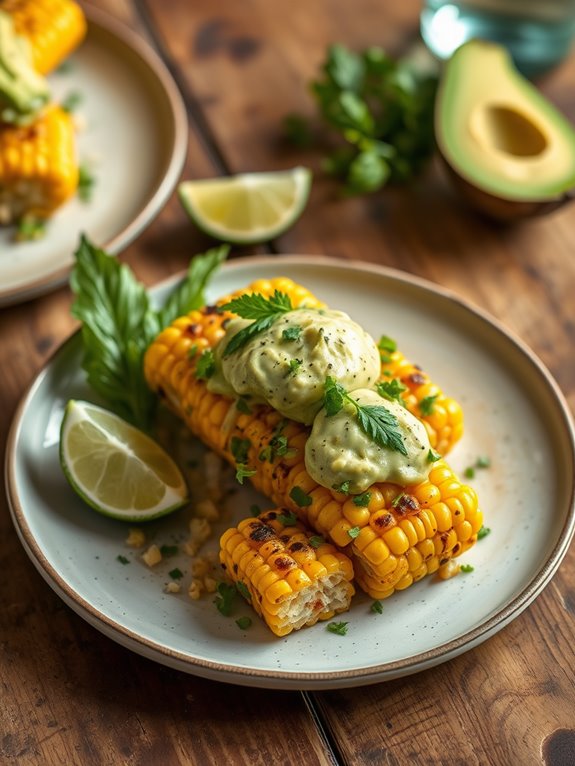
(291, 581)
(170, 370)
(54, 28)
(401, 534)
(38, 168)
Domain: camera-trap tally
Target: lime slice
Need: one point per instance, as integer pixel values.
(247, 208)
(116, 468)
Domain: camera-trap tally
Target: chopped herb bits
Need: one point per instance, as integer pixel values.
(337, 627)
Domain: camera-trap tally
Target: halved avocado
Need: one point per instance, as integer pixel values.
(508, 148)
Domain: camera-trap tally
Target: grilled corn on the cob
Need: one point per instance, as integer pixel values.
(38, 168)
(293, 579)
(54, 28)
(396, 534)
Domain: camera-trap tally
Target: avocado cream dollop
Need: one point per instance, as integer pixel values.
(23, 92)
(338, 451)
(287, 364)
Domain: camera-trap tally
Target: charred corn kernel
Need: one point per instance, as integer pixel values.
(38, 168)
(136, 538)
(396, 519)
(54, 28)
(152, 556)
(291, 583)
(449, 569)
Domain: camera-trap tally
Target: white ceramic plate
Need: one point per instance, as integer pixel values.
(515, 414)
(135, 142)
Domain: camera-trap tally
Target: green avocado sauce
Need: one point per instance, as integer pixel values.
(23, 92)
(287, 364)
(339, 452)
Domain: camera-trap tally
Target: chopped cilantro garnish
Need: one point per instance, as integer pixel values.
(30, 229)
(391, 389)
(243, 472)
(292, 333)
(316, 540)
(466, 568)
(168, 551)
(376, 421)
(176, 574)
(122, 559)
(243, 590)
(300, 497)
(72, 101)
(342, 487)
(240, 449)
(287, 519)
(244, 622)
(433, 456)
(86, 183)
(376, 607)
(483, 532)
(337, 627)
(265, 311)
(483, 462)
(354, 532)
(243, 406)
(225, 599)
(469, 472)
(294, 366)
(362, 501)
(427, 404)
(193, 350)
(387, 344)
(206, 365)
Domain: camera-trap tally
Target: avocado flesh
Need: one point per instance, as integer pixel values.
(497, 132)
(23, 92)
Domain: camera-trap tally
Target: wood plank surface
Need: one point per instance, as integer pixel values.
(72, 696)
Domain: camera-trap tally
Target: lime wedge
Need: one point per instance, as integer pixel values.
(247, 208)
(116, 468)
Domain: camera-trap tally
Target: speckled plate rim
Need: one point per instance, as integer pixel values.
(279, 679)
(174, 117)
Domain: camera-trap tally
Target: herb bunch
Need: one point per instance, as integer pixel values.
(119, 323)
(381, 109)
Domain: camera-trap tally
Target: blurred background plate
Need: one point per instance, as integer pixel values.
(134, 141)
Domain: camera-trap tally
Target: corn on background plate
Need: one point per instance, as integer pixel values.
(514, 412)
(135, 143)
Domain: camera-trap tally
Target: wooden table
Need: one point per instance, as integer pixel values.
(71, 696)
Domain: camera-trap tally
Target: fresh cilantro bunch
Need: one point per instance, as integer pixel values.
(382, 108)
(119, 323)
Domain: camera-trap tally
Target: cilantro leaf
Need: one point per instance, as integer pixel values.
(337, 627)
(316, 540)
(362, 501)
(243, 590)
(206, 365)
(287, 519)
(119, 323)
(376, 607)
(244, 623)
(225, 598)
(243, 472)
(257, 306)
(240, 449)
(391, 389)
(265, 311)
(382, 426)
(427, 404)
(292, 333)
(300, 497)
(376, 421)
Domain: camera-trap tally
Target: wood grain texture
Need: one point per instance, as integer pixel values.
(71, 696)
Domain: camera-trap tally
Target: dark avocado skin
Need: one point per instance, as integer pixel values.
(499, 209)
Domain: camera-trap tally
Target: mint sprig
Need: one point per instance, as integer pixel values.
(264, 311)
(376, 421)
(119, 323)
